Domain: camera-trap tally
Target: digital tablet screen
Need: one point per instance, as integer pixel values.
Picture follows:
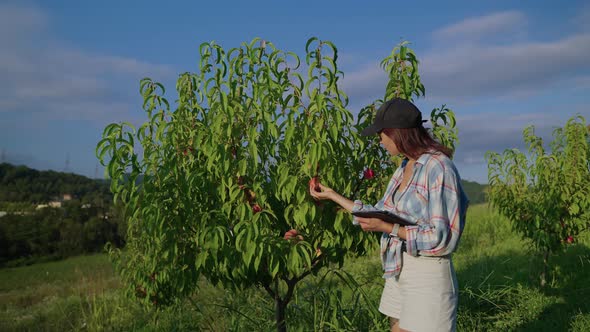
(385, 216)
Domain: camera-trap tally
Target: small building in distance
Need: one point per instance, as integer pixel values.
(55, 203)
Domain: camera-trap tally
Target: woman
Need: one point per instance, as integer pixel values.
(420, 292)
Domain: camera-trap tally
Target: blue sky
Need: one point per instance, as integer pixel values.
(68, 68)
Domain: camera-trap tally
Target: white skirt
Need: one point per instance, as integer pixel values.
(425, 296)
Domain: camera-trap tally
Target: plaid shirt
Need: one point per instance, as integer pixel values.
(434, 201)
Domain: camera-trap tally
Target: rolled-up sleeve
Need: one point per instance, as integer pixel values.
(439, 235)
(360, 206)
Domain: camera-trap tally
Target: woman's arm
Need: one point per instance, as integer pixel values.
(329, 193)
(367, 224)
(445, 205)
(344, 202)
(378, 225)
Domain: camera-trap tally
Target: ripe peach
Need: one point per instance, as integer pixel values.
(313, 183)
(292, 234)
(369, 174)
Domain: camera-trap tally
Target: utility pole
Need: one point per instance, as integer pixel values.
(67, 167)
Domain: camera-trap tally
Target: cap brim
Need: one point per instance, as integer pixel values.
(370, 130)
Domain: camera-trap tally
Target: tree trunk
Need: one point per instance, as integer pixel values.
(281, 304)
(280, 315)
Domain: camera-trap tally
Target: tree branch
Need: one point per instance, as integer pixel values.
(269, 290)
(292, 282)
(314, 263)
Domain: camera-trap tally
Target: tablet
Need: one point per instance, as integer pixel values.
(383, 215)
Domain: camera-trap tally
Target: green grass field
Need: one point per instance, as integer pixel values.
(497, 272)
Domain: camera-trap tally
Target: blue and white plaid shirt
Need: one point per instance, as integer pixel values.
(433, 200)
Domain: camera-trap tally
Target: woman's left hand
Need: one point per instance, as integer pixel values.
(374, 225)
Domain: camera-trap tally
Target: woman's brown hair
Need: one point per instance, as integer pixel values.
(414, 142)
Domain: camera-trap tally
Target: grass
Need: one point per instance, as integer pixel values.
(497, 272)
(499, 281)
(50, 295)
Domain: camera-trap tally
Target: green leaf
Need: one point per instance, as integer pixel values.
(309, 41)
(402, 52)
(275, 265)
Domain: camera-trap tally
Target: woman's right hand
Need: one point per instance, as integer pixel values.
(324, 192)
(320, 192)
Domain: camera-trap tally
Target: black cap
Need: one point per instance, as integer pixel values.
(395, 113)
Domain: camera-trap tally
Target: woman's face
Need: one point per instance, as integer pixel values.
(388, 144)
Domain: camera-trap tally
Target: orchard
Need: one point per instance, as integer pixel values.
(546, 194)
(216, 183)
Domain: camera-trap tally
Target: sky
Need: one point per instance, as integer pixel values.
(69, 68)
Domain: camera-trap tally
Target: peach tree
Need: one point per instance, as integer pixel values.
(546, 194)
(212, 184)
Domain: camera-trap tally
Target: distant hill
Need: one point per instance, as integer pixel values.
(83, 221)
(24, 184)
(475, 191)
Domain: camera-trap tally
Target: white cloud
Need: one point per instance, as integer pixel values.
(477, 28)
(499, 131)
(365, 83)
(17, 20)
(42, 76)
(470, 65)
(476, 66)
(468, 71)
